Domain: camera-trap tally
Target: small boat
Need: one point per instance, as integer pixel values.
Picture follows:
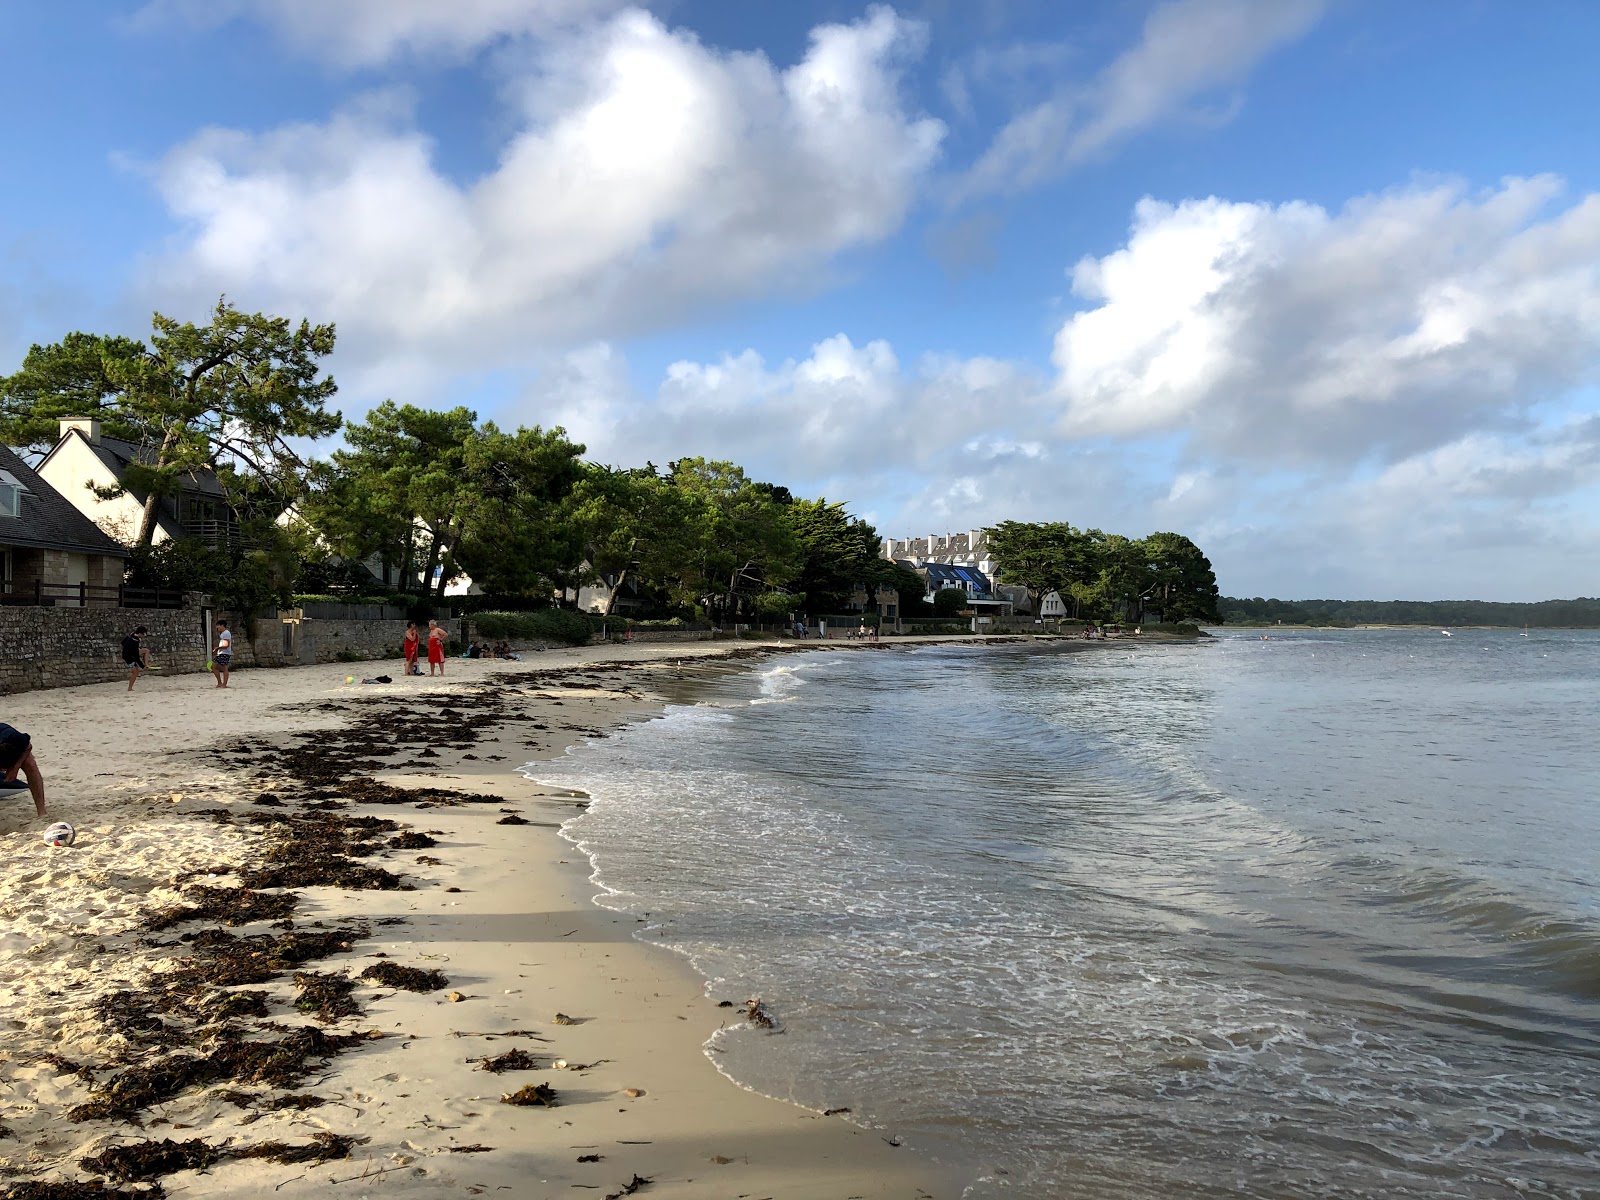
(1447, 633)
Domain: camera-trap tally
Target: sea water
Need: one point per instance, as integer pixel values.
(1311, 915)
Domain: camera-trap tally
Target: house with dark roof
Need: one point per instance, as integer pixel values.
(50, 553)
(85, 459)
(980, 592)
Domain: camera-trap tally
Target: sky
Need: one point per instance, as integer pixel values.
(1313, 282)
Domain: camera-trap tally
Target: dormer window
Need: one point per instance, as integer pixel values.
(11, 490)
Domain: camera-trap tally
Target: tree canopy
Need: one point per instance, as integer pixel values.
(1106, 574)
(233, 397)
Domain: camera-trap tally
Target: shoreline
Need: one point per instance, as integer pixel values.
(520, 941)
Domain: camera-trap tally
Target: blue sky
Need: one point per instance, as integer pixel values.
(1315, 282)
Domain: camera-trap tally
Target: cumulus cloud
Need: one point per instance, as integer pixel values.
(1398, 324)
(364, 33)
(651, 175)
(841, 416)
(1188, 48)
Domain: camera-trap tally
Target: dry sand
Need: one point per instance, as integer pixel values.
(504, 913)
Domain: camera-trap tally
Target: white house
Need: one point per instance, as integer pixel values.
(84, 459)
(971, 550)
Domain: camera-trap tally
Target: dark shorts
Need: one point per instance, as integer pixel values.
(13, 745)
(223, 660)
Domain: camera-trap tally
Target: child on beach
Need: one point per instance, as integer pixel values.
(436, 640)
(134, 655)
(16, 754)
(222, 657)
(411, 644)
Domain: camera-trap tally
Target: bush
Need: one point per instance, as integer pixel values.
(947, 602)
(545, 624)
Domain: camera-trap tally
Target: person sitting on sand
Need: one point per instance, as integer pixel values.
(436, 641)
(16, 754)
(135, 656)
(473, 651)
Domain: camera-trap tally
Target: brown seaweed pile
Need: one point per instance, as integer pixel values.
(227, 906)
(410, 979)
(280, 1063)
(141, 1162)
(511, 1060)
(325, 994)
(531, 1095)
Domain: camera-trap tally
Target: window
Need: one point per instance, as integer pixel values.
(11, 490)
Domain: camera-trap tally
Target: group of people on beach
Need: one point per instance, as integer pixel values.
(136, 655)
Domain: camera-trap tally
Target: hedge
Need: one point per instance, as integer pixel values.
(546, 624)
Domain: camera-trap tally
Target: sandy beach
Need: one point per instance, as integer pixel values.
(209, 992)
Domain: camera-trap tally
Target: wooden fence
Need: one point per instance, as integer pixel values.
(86, 595)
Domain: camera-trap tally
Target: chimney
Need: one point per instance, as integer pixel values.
(89, 426)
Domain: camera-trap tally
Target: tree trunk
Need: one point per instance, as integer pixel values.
(611, 600)
(147, 522)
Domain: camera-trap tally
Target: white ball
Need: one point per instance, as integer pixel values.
(60, 834)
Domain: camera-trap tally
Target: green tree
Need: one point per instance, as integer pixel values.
(837, 553)
(82, 375)
(234, 397)
(1182, 586)
(1042, 557)
(737, 542)
(947, 602)
(435, 495)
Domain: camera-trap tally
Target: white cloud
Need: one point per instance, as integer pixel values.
(1188, 48)
(652, 175)
(842, 416)
(1398, 324)
(364, 33)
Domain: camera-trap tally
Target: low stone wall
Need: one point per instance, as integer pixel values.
(63, 647)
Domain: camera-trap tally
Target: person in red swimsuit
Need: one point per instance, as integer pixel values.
(412, 643)
(436, 639)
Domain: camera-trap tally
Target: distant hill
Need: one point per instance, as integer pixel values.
(1582, 613)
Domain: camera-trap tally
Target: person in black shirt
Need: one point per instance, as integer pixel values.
(134, 655)
(16, 754)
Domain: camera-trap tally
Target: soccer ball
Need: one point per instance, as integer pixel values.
(60, 834)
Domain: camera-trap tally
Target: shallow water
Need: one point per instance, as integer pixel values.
(1311, 916)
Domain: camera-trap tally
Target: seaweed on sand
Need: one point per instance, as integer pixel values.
(511, 1060)
(326, 994)
(280, 1063)
(140, 1162)
(227, 906)
(315, 851)
(322, 1147)
(74, 1189)
(411, 979)
(530, 1095)
(412, 840)
(222, 1006)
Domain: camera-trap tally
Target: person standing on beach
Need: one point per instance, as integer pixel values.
(436, 640)
(222, 656)
(413, 643)
(134, 656)
(16, 754)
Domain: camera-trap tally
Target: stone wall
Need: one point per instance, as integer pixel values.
(62, 647)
